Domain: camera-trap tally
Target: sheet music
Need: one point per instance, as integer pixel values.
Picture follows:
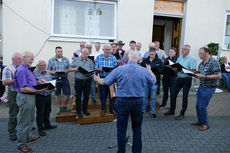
(187, 71)
(53, 82)
(171, 62)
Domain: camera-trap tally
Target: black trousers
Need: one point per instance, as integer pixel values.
(82, 86)
(184, 83)
(43, 105)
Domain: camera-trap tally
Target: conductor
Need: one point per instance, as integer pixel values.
(131, 80)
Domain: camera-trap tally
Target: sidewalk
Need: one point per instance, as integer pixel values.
(161, 135)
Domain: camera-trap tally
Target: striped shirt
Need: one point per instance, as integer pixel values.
(58, 66)
(45, 76)
(8, 74)
(101, 62)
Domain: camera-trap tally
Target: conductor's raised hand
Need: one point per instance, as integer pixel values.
(148, 67)
(96, 77)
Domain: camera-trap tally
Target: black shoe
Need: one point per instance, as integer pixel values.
(13, 137)
(180, 117)
(51, 127)
(42, 133)
(154, 115)
(168, 113)
(86, 113)
(79, 115)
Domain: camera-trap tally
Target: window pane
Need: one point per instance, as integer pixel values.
(227, 31)
(83, 18)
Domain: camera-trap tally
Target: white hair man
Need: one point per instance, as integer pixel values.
(8, 80)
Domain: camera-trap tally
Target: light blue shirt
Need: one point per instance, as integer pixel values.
(158, 54)
(131, 80)
(187, 62)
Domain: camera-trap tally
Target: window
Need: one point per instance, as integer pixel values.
(227, 30)
(84, 19)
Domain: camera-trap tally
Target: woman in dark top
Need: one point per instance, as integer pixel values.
(169, 77)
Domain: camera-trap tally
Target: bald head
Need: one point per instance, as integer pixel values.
(151, 45)
(41, 65)
(27, 58)
(85, 53)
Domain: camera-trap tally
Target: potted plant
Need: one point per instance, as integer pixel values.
(213, 48)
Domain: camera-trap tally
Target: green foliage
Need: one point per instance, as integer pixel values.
(221, 61)
(213, 48)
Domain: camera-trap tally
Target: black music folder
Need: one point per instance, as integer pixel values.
(91, 57)
(84, 71)
(75, 55)
(107, 69)
(50, 85)
(176, 65)
(32, 68)
(60, 72)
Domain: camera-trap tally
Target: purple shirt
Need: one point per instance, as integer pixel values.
(23, 77)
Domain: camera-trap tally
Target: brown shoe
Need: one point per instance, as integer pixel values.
(195, 123)
(25, 149)
(204, 127)
(33, 140)
(103, 113)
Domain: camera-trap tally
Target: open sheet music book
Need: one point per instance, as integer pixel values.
(50, 85)
(176, 65)
(189, 72)
(84, 71)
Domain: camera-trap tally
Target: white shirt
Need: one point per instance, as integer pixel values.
(96, 53)
(227, 65)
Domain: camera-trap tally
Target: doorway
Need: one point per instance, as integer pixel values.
(167, 30)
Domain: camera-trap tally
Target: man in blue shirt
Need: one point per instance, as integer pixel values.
(110, 61)
(131, 80)
(183, 81)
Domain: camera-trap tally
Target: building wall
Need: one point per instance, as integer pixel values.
(205, 21)
(135, 20)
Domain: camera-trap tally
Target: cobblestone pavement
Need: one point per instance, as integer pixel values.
(160, 135)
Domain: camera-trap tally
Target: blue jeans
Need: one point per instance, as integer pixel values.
(203, 97)
(104, 92)
(132, 107)
(92, 89)
(168, 82)
(226, 76)
(152, 92)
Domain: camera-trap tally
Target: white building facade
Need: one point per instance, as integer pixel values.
(41, 25)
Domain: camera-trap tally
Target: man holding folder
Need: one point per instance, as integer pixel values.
(81, 65)
(183, 81)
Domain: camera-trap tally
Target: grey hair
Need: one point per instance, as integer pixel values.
(106, 45)
(15, 54)
(41, 61)
(188, 46)
(97, 43)
(151, 43)
(88, 44)
(26, 53)
(133, 54)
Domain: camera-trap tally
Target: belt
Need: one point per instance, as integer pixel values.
(131, 97)
(83, 80)
(184, 78)
(42, 95)
(28, 93)
(11, 90)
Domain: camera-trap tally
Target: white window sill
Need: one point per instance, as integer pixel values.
(77, 40)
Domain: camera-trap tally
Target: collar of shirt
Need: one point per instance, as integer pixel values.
(132, 62)
(82, 59)
(25, 66)
(42, 72)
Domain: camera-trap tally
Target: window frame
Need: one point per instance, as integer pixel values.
(71, 37)
(227, 13)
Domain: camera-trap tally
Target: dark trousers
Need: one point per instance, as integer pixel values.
(2, 89)
(43, 105)
(184, 83)
(82, 86)
(168, 83)
(132, 107)
(13, 112)
(104, 92)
